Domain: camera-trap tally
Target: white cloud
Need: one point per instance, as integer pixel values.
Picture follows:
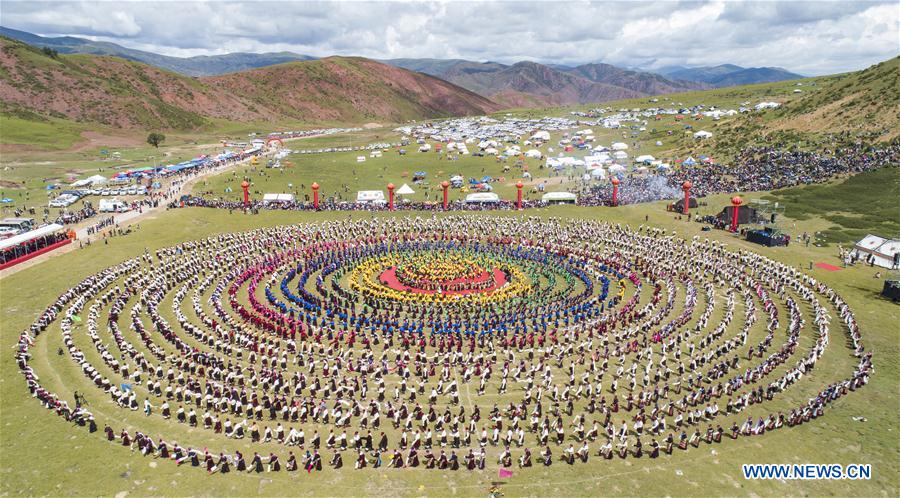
(807, 37)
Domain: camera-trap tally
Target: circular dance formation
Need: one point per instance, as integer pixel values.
(443, 343)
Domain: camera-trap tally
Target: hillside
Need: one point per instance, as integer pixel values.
(867, 101)
(107, 90)
(201, 65)
(336, 88)
(131, 95)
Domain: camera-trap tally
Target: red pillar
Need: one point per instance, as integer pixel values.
(445, 185)
(736, 202)
(615, 198)
(390, 187)
(315, 189)
(245, 185)
(519, 195)
(686, 186)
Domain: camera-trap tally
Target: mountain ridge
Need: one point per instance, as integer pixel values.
(127, 94)
(725, 75)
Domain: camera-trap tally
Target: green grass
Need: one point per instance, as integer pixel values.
(47, 133)
(854, 207)
(35, 444)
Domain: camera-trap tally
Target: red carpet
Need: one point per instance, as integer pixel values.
(389, 277)
(826, 266)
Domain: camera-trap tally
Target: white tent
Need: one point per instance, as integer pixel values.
(405, 190)
(619, 146)
(598, 160)
(702, 134)
(616, 168)
(533, 153)
(490, 151)
(267, 198)
(766, 105)
(598, 173)
(646, 158)
(883, 249)
(425, 148)
(620, 154)
(541, 135)
(560, 197)
(482, 197)
(360, 159)
(91, 180)
(370, 197)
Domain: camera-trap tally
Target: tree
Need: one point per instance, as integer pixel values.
(155, 139)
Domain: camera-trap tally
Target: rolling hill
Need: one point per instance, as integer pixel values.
(112, 91)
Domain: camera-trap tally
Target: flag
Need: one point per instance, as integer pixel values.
(504, 473)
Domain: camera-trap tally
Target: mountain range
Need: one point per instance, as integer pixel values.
(201, 65)
(529, 84)
(524, 84)
(729, 74)
(37, 85)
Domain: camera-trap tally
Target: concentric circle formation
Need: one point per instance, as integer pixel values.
(461, 342)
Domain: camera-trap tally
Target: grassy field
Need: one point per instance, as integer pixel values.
(40, 454)
(36, 444)
(860, 205)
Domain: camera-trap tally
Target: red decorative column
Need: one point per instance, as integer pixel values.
(245, 185)
(686, 186)
(519, 186)
(445, 185)
(615, 198)
(315, 189)
(390, 187)
(736, 202)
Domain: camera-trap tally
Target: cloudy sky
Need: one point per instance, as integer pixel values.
(810, 38)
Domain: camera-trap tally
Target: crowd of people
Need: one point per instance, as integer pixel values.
(73, 217)
(754, 169)
(270, 347)
(771, 168)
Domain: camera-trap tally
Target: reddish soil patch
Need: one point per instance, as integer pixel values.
(390, 278)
